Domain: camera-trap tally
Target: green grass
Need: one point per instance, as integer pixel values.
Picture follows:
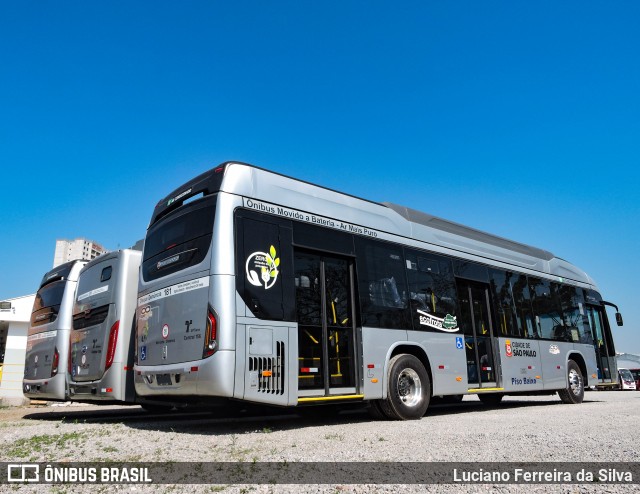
(24, 448)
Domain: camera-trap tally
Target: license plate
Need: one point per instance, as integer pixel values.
(163, 379)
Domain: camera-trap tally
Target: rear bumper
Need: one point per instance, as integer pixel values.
(55, 388)
(213, 376)
(111, 387)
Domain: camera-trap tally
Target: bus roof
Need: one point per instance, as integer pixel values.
(113, 254)
(431, 221)
(255, 182)
(61, 271)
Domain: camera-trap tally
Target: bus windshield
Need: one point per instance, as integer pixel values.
(626, 374)
(179, 240)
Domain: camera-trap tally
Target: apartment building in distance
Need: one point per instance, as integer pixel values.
(80, 248)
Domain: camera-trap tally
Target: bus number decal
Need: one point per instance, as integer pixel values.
(42, 336)
(177, 289)
(93, 292)
(266, 265)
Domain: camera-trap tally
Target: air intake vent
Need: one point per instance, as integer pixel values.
(270, 371)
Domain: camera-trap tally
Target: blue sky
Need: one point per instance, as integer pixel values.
(517, 118)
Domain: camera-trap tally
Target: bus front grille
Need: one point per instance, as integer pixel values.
(270, 371)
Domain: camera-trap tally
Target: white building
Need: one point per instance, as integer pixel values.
(15, 314)
(80, 248)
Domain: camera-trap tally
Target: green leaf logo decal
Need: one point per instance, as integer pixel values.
(262, 268)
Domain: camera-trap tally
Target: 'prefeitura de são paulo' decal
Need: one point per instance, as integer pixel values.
(262, 268)
(449, 323)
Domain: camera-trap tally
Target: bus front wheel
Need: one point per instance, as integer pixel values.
(574, 393)
(409, 389)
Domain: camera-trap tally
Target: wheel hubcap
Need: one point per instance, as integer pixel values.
(575, 382)
(409, 387)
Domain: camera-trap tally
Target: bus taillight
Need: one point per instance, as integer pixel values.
(210, 342)
(111, 347)
(56, 362)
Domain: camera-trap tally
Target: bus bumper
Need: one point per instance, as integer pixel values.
(54, 388)
(213, 376)
(112, 387)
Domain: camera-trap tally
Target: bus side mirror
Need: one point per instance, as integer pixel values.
(618, 319)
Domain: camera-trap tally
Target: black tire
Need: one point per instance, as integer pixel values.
(574, 393)
(408, 391)
(492, 399)
(375, 410)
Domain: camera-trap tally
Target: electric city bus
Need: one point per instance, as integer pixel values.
(259, 287)
(100, 362)
(45, 375)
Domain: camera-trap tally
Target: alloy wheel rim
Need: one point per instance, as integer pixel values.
(575, 382)
(409, 387)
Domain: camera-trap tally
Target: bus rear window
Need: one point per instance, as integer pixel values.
(179, 240)
(49, 295)
(176, 229)
(47, 303)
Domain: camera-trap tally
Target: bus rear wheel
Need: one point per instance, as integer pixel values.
(409, 389)
(574, 393)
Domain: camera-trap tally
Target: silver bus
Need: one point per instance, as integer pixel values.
(45, 375)
(101, 348)
(260, 287)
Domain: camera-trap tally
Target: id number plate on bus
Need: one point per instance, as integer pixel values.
(163, 379)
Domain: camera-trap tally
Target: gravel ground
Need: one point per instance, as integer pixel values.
(533, 429)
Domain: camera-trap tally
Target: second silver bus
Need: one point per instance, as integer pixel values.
(101, 347)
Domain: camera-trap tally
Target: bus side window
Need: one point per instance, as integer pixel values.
(548, 314)
(513, 304)
(382, 285)
(432, 286)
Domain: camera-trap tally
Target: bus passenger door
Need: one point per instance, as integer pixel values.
(475, 322)
(326, 325)
(605, 355)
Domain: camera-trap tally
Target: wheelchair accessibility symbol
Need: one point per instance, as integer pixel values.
(459, 344)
